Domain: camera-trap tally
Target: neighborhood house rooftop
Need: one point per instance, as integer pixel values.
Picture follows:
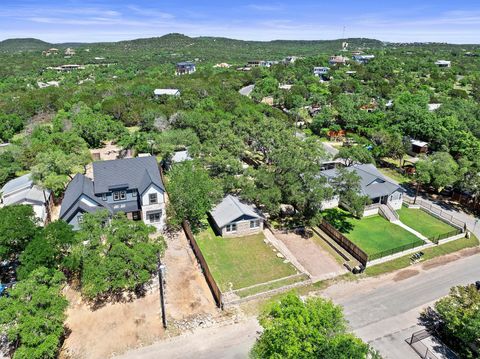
(133, 173)
(169, 92)
(230, 209)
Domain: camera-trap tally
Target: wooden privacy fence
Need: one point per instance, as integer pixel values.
(217, 294)
(346, 243)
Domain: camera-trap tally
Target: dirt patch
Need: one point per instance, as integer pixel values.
(405, 274)
(311, 256)
(469, 252)
(436, 262)
(187, 292)
(111, 329)
(115, 328)
(107, 152)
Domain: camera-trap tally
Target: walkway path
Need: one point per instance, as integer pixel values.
(411, 230)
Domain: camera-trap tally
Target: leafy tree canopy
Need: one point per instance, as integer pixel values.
(315, 328)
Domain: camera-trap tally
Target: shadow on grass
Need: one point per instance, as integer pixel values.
(339, 219)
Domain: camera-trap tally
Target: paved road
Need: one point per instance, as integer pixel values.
(228, 342)
(247, 90)
(387, 314)
(383, 311)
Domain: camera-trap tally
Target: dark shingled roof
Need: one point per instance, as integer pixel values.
(129, 173)
(79, 185)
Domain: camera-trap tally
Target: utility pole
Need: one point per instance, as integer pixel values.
(161, 282)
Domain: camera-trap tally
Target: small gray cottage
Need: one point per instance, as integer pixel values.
(22, 190)
(233, 218)
(131, 185)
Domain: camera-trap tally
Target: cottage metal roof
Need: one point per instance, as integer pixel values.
(22, 189)
(231, 209)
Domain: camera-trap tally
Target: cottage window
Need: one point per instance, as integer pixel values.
(231, 227)
(104, 196)
(153, 198)
(155, 217)
(119, 196)
(255, 224)
(80, 218)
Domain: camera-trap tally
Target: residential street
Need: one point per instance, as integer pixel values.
(381, 310)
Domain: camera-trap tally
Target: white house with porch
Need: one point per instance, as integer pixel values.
(373, 184)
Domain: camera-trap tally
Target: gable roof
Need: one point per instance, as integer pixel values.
(372, 182)
(22, 189)
(230, 209)
(79, 185)
(131, 173)
(16, 184)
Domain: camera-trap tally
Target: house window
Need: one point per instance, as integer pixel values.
(134, 194)
(155, 217)
(80, 218)
(255, 224)
(119, 196)
(104, 196)
(152, 197)
(231, 227)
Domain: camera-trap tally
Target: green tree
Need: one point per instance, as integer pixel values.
(355, 155)
(192, 194)
(9, 126)
(315, 328)
(117, 256)
(58, 157)
(49, 248)
(33, 314)
(9, 165)
(438, 170)
(347, 186)
(18, 226)
(460, 314)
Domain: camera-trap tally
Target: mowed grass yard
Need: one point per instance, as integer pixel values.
(375, 234)
(242, 261)
(423, 222)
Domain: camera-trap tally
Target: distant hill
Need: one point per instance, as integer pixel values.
(17, 45)
(200, 46)
(173, 47)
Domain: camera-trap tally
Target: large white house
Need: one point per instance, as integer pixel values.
(373, 184)
(133, 186)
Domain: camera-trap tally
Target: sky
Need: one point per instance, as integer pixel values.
(112, 20)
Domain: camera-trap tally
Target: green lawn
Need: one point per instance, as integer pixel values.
(423, 222)
(375, 234)
(242, 261)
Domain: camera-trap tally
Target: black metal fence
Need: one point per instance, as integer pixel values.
(391, 251)
(415, 342)
(436, 239)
